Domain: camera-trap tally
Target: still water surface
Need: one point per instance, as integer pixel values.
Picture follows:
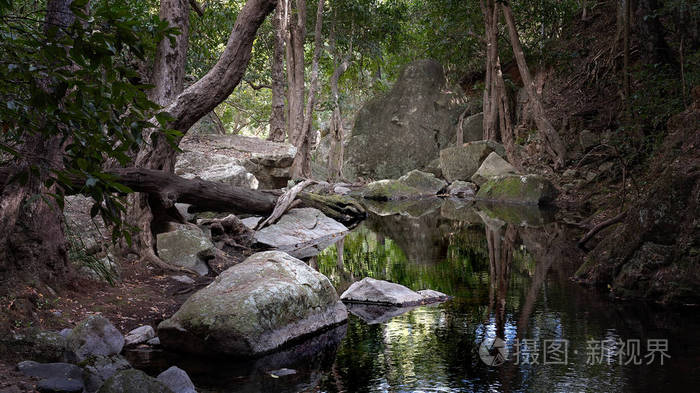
(508, 271)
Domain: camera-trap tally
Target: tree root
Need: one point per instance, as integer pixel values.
(581, 243)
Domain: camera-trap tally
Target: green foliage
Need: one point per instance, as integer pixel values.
(77, 83)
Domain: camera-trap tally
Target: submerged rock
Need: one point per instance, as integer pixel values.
(372, 291)
(405, 128)
(519, 189)
(253, 308)
(301, 232)
(413, 185)
(186, 246)
(94, 336)
(492, 166)
(177, 380)
(461, 162)
(374, 314)
(133, 381)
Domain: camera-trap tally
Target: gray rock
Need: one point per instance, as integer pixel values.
(65, 332)
(473, 127)
(183, 279)
(492, 166)
(50, 370)
(282, 372)
(251, 222)
(432, 296)
(133, 381)
(94, 336)
(462, 189)
(253, 308)
(461, 162)
(341, 190)
(177, 380)
(434, 168)
(269, 162)
(405, 128)
(519, 189)
(231, 174)
(139, 335)
(60, 385)
(35, 344)
(155, 341)
(372, 291)
(84, 231)
(413, 185)
(186, 246)
(301, 232)
(182, 209)
(97, 369)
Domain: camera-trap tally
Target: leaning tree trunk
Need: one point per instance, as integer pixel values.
(192, 104)
(277, 118)
(301, 167)
(553, 143)
(32, 239)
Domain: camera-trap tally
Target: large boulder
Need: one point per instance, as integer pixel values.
(54, 377)
(405, 128)
(186, 246)
(85, 232)
(372, 291)
(253, 308)
(473, 127)
(520, 189)
(133, 381)
(413, 185)
(220, 157)
(492, 166)
(35, 344)
(98, 369)
(461, 162)
(94, 336)
(302, 232)
(462, 189)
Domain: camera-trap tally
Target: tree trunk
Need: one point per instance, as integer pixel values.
(301, 167)
(655, 49)
(626, 49)
(491, 100)
(553, 142)
(337, 150)
(32, 239)
(277, 119)
(296, 33)
(187, 107)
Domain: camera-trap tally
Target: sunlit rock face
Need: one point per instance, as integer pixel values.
(254, 308)
(406, 128)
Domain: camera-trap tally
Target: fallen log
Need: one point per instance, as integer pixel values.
(212, 196)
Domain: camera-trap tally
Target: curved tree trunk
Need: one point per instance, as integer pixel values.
(187, 107)
(32, 238)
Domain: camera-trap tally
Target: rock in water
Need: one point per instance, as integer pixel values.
(187, 247)
(302, 232)
(369, 290)
(461, 162)
(94, 336)
(254, 307)
(54, 377)
(406, 128)
(139, 335)
(177, 380)
(413, 185)
(133, 381)
(520, 189)
(462, 189)
(97, 369)
(492, 166)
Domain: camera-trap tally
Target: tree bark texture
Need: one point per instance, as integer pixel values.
(301, 167)
(295, 14)
(336, 153)
(553, 142)
(32, 238)
(278, 131)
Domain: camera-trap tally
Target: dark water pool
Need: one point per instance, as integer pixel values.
(508, 270)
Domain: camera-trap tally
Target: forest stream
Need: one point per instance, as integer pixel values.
(508, 272)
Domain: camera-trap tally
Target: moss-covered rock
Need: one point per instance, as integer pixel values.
(133, 381)
(35, 344)
(461, 162)
(520, 189)
(94, 336)
(413, 185)
(254, 307)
